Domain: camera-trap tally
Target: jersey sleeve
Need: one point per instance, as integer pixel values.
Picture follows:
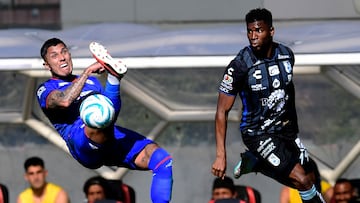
(43, 92)
(233, 77)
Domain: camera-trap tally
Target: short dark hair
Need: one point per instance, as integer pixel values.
(225, 182)
(343, 180)
(97, 180)
(259, 14)
(33, 161)
(48, 43)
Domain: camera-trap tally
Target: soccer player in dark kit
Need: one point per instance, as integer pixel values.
(261, 74)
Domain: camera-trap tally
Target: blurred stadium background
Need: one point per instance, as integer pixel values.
(176, 52)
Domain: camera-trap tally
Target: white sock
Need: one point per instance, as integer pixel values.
(113, 80)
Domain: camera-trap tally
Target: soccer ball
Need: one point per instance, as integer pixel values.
(97, 111)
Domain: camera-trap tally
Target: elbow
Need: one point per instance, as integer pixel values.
(221, 115)
(64, 104)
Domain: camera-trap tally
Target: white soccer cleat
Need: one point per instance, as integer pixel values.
(114, 67)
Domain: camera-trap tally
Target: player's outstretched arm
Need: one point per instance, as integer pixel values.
(63, 99)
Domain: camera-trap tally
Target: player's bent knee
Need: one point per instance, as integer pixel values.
(161, 165)
(161, 161)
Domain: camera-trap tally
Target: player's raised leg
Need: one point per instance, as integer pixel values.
(100, 53)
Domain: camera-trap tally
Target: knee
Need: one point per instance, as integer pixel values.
(161, 165)
(161, 162)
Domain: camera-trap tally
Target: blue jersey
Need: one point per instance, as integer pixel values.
(121, 148)
(63, 118)
(266, 90)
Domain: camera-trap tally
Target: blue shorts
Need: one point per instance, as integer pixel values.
(121, 150)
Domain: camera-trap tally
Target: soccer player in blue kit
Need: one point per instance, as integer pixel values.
(60, 98)
(261, 74)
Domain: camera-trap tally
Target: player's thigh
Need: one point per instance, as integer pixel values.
(129, 145)
(277, 156)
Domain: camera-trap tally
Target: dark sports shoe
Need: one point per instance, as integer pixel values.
(246, 164)
(114, 67)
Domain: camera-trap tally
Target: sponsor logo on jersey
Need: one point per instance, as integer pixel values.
(90, 82)
(40, 91)
(257, 74)
(289, 78)
(61, 84)
(266, 147)
(288, 67)
(283, 56)
(226, 83)
(267, 123)
(230, 70)
(263, 143)
(274, 160)
(227, 79)
(277, 99)
(276, 83)
(257, 87)
(84, 93)
(274, 70)
(225, 87)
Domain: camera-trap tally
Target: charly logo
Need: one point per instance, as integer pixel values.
(257, 74)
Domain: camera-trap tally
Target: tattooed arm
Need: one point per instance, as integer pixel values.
(63, 99)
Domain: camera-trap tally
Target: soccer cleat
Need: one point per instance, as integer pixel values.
(114, 67)
(245, 165)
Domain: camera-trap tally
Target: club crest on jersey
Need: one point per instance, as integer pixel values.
(274, 70)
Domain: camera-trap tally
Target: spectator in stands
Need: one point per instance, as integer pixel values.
(224, 190)
(97, 188)
(344, 192)
(291, 195)
(40, 191)
(4, 194)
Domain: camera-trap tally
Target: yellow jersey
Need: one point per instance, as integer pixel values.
(294, 196)
(51, 192)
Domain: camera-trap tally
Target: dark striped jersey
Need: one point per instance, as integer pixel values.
(266, 90)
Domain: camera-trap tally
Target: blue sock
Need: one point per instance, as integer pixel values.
(113, 93)
(311, 195)
(161, 186)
